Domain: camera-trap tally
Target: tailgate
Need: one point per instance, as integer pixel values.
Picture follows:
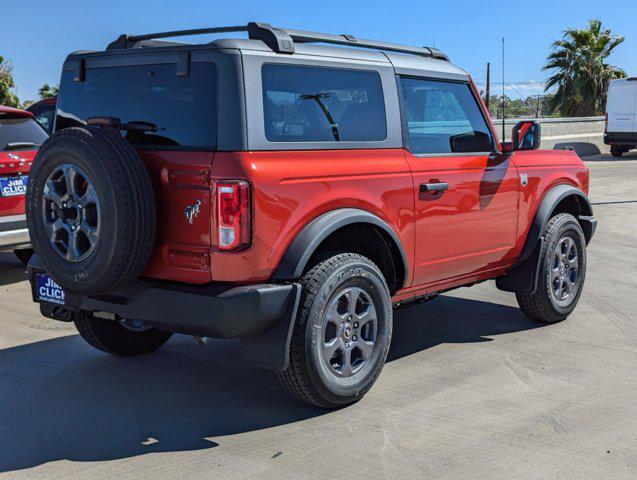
(181, 180)
(14, 168)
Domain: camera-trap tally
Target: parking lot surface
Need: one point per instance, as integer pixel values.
(472, 389)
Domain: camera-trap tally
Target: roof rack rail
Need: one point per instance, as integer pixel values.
(132, 41)
(301, 36)
(281, 40)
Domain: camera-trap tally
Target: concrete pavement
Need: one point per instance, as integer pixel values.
(472, 389)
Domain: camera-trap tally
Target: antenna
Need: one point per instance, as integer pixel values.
(488, 100)
(503, 98)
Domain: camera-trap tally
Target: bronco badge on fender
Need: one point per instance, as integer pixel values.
(192, 211)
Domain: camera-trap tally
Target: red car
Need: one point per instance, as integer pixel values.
(20, 137)
(290, 194)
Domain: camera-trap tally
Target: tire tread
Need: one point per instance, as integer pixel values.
(294, 379)
(537, 306)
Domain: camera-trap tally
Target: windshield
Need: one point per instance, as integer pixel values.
(20, 133)
(180, 111)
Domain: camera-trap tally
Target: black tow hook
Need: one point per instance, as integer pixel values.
(55, 312)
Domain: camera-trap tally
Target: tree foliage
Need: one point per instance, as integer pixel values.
(7, 97)
(581, 73)
(529, 107)
(47, 91)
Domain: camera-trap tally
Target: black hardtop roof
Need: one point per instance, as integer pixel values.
(265, 39)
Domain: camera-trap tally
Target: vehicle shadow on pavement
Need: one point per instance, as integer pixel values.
(11, 270)
(60, 399)
(607, 157)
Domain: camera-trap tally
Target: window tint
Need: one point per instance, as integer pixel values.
(44, 116)
(183, 109)
(315, 104)
(15, 131)
(443, 117)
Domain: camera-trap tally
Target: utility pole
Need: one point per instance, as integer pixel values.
(537, 112)
(503, 101)
(488, 99)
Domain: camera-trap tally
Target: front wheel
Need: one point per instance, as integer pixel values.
(342, 332)
(562, 272)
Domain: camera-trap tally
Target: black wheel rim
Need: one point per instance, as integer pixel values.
(565, 275)
(350, 328)
(71, 213)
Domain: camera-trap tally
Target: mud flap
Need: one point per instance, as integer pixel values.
(271, 349)
(523, 278)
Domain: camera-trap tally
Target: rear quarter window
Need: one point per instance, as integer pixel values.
(183, 109)
(319, 104)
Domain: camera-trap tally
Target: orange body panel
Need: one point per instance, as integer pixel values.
(182, 249)
(290, 189)
(545, 169)
(473, 231)
(470, 227)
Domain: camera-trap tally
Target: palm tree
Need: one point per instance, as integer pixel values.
(581, 74)
(47, 91)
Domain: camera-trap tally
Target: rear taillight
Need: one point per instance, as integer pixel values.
(233, 214)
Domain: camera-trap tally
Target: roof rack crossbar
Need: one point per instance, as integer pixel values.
(281, 40)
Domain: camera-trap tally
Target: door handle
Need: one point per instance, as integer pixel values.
(433, 187)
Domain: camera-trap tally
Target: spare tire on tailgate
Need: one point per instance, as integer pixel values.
(91, 210)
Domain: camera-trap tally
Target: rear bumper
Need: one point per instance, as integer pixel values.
(620, 138)
(13, 232)
(260, 315)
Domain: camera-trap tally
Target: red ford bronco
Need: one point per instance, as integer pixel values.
(290, 194)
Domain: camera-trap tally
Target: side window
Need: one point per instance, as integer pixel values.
(317, 104)
(44, 116)
(443, 117)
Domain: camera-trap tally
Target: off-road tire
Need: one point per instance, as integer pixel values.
(303, 378)
(112, 337)
(617, 150)
(541, 305)
(128, 214)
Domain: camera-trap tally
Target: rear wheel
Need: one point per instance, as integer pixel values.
(617, 150)
(123, 337)
(342, 334)
(562, 272)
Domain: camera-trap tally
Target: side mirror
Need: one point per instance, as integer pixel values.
(526, 135)
(471, 142)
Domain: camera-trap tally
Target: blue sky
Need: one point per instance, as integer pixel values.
(469, 32)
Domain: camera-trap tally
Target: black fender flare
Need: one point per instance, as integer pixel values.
(523, 276)
(551, 200)
(300, 250)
